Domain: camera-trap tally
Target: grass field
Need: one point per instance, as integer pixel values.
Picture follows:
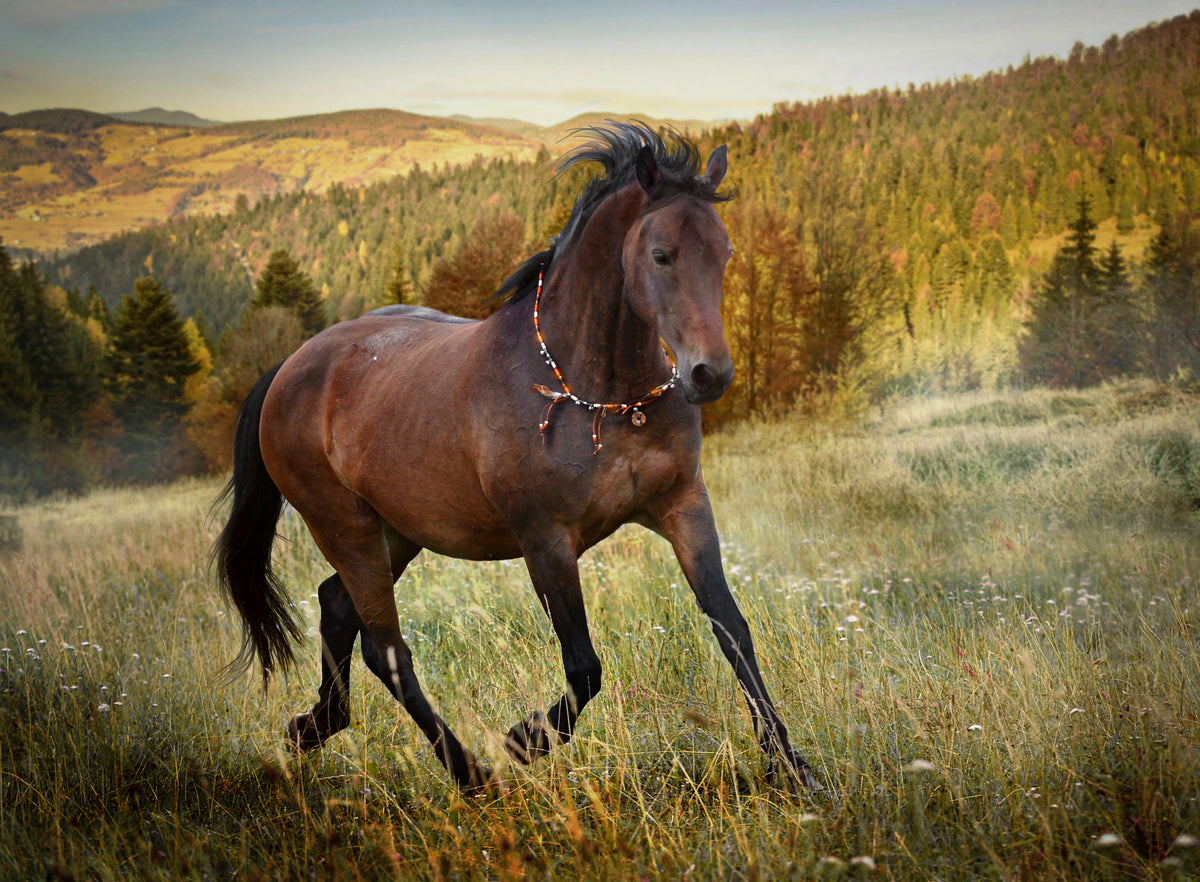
(978, 616)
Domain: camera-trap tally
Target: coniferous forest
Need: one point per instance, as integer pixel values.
(1037, 225)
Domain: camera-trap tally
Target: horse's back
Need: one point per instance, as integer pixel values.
(408, 310)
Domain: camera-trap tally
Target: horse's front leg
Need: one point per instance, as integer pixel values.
(686, 521)
(553, 568)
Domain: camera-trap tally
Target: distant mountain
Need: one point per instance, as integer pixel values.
(57, 121)
(159, 117)
(555, 133)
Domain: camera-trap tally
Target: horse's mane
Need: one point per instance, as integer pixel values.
(615, 147)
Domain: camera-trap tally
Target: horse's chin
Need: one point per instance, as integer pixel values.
(706, 395)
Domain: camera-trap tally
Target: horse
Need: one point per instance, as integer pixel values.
(535, 433)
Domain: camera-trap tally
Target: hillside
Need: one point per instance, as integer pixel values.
(73, 178)
(70, 178)
(886, 243)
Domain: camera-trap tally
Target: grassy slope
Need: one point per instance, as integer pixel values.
(148, 173)
(977, 614)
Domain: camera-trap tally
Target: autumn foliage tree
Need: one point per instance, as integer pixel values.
(463, 282)
(768, 296)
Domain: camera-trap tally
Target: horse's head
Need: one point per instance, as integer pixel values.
(674, 259)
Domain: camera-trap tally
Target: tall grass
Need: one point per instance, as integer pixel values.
(978, 616)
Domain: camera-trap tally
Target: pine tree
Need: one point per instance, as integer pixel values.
(283, 283)
(397, 289)
(97, 309)
(1119, 324)
(1173, 285)
(149, 362)
(62, 358)
(19, 396)
(1060, 347)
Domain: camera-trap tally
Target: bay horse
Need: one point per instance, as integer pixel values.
(532, 434)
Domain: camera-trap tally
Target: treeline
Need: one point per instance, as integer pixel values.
(133, 395)
(1091, 320)
(348, 240)
(906, 240)
(970, 186)
(88, 395)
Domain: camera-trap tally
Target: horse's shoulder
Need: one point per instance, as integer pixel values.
(408, 310)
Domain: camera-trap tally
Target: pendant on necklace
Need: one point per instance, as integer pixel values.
(638, 419)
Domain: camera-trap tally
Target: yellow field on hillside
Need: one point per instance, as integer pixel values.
(146, 174)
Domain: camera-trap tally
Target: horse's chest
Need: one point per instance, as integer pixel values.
(623, 484)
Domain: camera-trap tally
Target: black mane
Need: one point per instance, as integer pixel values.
(615, 147)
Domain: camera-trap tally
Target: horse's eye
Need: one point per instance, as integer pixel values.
(661, 257)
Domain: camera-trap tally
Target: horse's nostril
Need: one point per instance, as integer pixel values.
(702, 375)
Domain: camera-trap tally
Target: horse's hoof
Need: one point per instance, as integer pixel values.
(808, 779)
(529, 739)
(484, 783)
(791, 772)
(303, 734)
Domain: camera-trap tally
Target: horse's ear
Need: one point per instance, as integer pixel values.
(718, 164)
(648, 174)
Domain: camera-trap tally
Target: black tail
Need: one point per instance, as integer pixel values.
(243, 550)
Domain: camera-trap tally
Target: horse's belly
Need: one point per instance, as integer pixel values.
(453, 531)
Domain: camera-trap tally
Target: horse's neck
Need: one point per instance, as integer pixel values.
(606, 353)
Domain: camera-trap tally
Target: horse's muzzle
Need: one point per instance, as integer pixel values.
(704, 381)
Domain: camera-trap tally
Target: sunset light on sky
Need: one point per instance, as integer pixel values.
(539, 61)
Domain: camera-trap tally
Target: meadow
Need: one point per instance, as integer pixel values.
(978, 616)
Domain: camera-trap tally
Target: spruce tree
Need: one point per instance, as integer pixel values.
(397, 285)
(1173, 287)
(62, 358)
(1060, 347)
(148, 364)
(19, 397)
(283, 283)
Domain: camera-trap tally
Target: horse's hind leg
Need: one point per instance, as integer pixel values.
(340, 625)
(353, 539)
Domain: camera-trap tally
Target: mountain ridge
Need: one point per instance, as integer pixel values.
(163, 117)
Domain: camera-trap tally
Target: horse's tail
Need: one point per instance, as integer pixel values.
(243, 550)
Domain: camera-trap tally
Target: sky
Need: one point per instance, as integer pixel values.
(539, 61)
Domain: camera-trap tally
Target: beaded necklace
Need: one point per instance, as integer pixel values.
(600, 411)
